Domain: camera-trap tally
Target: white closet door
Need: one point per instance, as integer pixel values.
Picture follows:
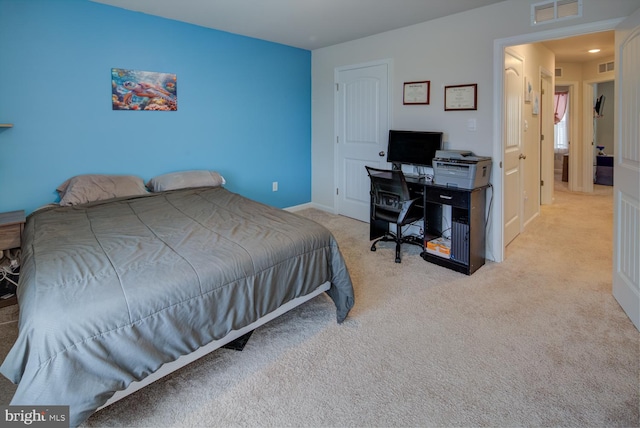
(362, 118)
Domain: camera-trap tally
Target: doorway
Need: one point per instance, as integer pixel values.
(564, 99)
(601, 127)
(619, 233)
(498, 243)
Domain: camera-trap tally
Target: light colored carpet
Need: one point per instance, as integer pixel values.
(537, 340)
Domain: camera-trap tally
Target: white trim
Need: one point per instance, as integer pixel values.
(546, 194)
(587, 136)
(574, 114)
(300, 207)
(533, 217)
(499, 45)
(326, 208)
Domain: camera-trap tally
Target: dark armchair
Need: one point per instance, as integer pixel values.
(391, 202)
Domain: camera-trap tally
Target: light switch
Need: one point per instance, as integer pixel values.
(471, 124)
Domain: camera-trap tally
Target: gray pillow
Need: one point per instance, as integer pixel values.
(185, 179)
(86, 188)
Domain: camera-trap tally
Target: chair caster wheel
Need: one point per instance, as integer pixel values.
(373, 248)
(398, 261)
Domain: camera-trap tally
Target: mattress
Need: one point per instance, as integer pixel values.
(111, 290)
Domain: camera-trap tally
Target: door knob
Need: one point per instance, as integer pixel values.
(522, 156)
(381, 154)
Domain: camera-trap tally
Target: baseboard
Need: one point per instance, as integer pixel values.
(310, 205)
(299, 207)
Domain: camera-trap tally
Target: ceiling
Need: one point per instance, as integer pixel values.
(306, 24)
(313, 24)
(574, 49)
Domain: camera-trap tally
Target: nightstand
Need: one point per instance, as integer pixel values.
(11, 227)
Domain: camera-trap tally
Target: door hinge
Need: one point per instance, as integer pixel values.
(337, 139)
(542, 137)
(337, 87)
(337, 192)
(500, 164)
(541, 182)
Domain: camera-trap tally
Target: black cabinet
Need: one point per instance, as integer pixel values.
(604, 170)
(467, 229)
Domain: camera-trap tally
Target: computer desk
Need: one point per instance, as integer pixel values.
(467, 228)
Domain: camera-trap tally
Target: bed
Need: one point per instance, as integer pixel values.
(116, 292)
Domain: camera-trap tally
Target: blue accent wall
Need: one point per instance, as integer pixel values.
(244, 105)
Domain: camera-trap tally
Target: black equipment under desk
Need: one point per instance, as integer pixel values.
(467, 228)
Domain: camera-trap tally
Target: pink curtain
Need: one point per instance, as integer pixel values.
(561, 99)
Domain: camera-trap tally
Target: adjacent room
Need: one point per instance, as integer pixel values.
(363, 213)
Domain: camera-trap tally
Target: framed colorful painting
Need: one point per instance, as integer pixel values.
(143, 90)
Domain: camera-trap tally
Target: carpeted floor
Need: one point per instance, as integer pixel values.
(537, 340)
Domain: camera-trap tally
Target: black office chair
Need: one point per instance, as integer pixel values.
(391, 202)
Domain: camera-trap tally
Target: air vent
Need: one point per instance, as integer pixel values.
(555, 10)
(605, 67)
(559, 72)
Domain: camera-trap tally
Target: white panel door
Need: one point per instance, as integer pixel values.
(362, 106)
(513, 100)
(626, 179)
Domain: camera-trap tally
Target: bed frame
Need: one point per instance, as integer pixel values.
(184, 360)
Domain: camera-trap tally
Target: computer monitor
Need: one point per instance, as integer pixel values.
(413, 147)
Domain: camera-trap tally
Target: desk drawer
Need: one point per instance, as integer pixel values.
(452, 197)
(10, 237)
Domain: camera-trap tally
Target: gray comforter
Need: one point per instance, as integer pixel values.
(111, 290)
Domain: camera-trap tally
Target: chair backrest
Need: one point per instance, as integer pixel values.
(388, 188)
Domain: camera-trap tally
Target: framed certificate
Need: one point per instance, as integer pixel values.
(416, 92)
(461, 97)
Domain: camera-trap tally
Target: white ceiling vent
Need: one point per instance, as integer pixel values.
(559, 72)
(605, 67)
(555, 10)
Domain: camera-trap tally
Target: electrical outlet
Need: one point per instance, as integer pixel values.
(274, 186)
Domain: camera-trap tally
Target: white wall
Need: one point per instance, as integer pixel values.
(604, 124)
(453, 50)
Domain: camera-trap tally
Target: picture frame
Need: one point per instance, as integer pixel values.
(137, 90)
(461, 97)
(416, 92)
(528, 89)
